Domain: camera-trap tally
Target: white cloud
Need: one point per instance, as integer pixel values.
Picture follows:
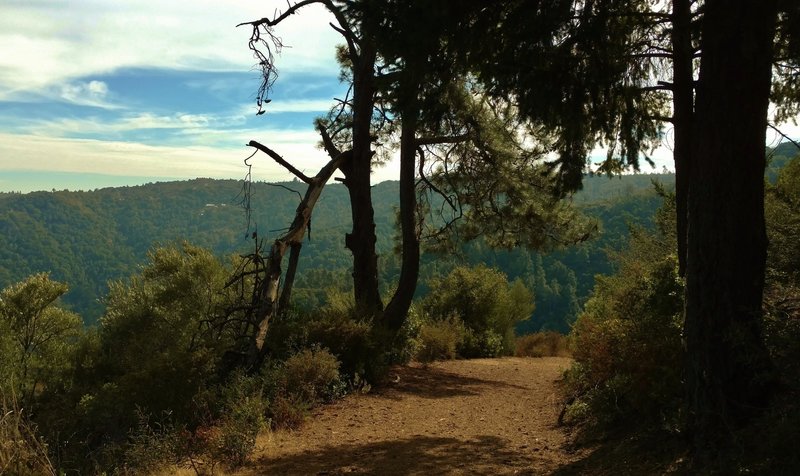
(53, 42)
(48, 154)
(87, 93)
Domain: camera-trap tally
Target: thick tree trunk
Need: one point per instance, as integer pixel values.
(683, 112)
(396, 311)
(361, 241)
(728, 368)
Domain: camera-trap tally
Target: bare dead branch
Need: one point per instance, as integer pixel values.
(280, 160)
(274, 21)
(278, 185)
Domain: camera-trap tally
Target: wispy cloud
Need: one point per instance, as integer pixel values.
(44, 42)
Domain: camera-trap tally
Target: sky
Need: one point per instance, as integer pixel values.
(99, 93)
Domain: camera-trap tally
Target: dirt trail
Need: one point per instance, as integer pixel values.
(488, 416)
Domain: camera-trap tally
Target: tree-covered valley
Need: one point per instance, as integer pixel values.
(85, 239)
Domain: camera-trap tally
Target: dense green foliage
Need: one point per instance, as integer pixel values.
(486, 303)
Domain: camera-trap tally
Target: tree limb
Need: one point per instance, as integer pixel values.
(280, 160)
(290, 11)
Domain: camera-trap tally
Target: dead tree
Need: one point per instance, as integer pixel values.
(266, 298)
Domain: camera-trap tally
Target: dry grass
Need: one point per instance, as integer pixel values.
(542, 344)
(22, 451)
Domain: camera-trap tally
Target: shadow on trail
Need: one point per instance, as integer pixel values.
(656, 453)
(431, 382)
(421, 455)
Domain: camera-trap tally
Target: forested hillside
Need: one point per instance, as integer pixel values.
(86, 239)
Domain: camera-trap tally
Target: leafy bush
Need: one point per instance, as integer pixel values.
(157, 345)
(627, 341)
(346, 337)
(440, 340)
(294, 386)
(365, 350)
(288, 411)
(152, 447)
(242, 408)
(36, 337)
(238, 430)
(542, 344)
(487, 304)
(313, 375)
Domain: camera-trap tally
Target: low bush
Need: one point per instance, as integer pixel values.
(312, 375)
(347, 338)
(440, 340)
(487, 304)
(484, 343)
(152, 447)
(542, 344)
(288, 411)
(238, 429)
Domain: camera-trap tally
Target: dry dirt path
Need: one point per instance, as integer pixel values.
(488, 416)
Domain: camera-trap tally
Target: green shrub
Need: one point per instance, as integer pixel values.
(313, 375)
(152, 447)
(37, 338)
(627, 341)
(349, 339)
(440, 340)
(542, 344)
(288, 411)
(488, 305)
(485, 343)
(158, 348)
(238, 429)
(294, 386)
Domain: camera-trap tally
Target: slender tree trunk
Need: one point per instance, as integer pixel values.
(396, 311)
(291, 272)
(361, 241)
(729, 372)
(683, 113)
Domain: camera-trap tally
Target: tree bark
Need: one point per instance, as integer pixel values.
(729, 371)
(396, 311)
(682, 117)
(291, 272)
(361, 241)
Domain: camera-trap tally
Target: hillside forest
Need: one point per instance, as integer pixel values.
(151, 328)
(110, 231)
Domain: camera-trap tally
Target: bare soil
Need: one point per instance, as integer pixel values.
(486, 416)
